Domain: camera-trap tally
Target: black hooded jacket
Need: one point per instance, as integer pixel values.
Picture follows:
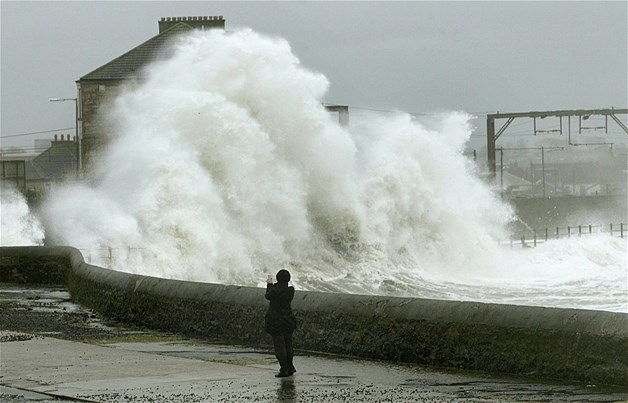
(279, 317)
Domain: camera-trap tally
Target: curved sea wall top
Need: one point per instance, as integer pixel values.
(568, 344)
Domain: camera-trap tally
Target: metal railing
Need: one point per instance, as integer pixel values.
(107, 255)
(526, 239)
(533, 237)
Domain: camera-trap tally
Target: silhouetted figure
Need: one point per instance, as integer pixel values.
(280, 321)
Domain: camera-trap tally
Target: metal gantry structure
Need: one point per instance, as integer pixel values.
(582, 114)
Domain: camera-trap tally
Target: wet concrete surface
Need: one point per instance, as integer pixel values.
(53, 350)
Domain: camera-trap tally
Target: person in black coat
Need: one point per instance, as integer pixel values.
(280, 321)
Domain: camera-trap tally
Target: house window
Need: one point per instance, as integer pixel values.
(10, 169)
(12, 173)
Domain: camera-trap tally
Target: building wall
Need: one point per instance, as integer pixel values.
(96, 97)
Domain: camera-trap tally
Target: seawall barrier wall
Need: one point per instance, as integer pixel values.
(566, 344)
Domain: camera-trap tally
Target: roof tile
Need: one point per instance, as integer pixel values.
(131, 64)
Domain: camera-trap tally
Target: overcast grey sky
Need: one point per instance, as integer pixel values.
(420, 57)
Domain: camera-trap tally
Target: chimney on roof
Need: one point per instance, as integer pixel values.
(201, 23)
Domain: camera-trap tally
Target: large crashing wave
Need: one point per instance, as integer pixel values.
(224, 166)
(18, 227)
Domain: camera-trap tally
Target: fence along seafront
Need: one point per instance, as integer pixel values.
(531, 238)
(524, 239)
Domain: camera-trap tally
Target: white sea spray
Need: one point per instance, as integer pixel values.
(224, 166)
(18, 226)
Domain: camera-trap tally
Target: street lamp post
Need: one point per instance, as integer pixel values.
(79, 160)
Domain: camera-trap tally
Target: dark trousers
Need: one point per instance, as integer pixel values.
(284, 351)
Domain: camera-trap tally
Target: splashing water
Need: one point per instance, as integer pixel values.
(18, 227)
(223, 166)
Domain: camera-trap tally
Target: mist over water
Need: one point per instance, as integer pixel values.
(224, 167)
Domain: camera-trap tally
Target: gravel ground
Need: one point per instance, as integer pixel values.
(48, 311)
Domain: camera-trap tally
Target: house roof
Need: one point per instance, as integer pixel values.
(31, 173)
(55, 163)
(130, 64)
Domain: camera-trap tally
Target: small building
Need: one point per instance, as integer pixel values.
(41, 170)
(97, 88)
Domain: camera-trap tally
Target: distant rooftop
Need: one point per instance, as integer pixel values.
(201, 23)
(56, 162)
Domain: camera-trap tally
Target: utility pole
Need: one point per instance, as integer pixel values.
(501, 163)
(543, 168)
(79, 164)
(582, 114)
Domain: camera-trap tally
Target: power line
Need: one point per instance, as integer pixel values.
(367, 108)
(33, 133)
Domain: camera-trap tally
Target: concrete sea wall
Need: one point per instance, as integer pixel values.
(566, 344)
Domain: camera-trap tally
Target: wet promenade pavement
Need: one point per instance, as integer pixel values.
(52, 350)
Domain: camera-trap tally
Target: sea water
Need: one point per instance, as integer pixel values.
(224, 166)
